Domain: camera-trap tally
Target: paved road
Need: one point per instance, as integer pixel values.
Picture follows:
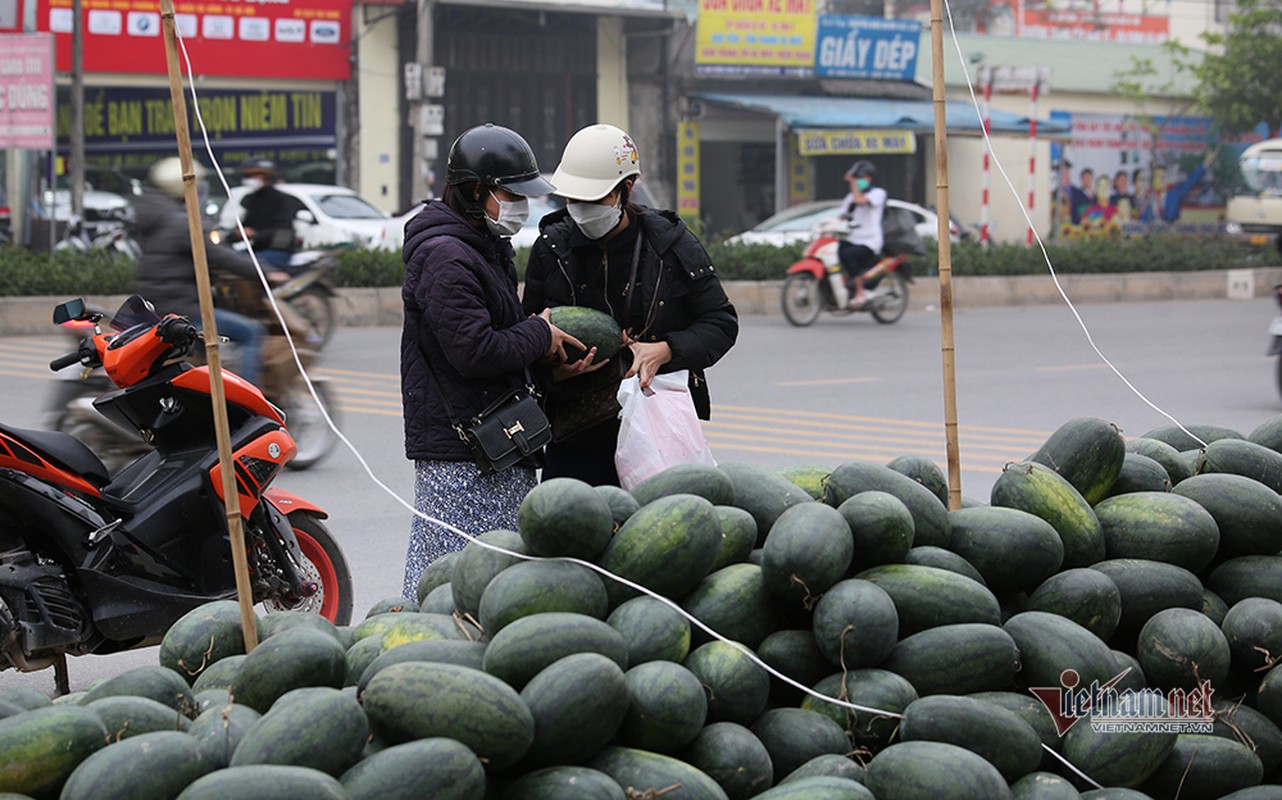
(845, 388)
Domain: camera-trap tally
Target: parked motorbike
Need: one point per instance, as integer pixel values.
(96, 564)
(71, 408)
(1275, 330)
(116, 239)
(817, 283)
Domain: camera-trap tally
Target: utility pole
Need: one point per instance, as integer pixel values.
(77, 172)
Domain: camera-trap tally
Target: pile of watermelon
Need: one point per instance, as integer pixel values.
(852, 639)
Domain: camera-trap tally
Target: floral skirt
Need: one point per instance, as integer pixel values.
(457, 492)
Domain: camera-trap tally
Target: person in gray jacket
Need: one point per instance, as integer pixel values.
(166, 277)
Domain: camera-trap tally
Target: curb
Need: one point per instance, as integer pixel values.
(381, 306)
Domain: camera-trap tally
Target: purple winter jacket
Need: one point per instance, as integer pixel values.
(463, 325)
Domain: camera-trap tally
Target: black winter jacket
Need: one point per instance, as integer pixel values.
(678, 297)
(166, 276)
(463, 325)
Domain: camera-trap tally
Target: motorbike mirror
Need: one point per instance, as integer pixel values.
(304, 215)
(72, 309)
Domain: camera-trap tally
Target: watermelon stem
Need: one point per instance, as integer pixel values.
(650, 794)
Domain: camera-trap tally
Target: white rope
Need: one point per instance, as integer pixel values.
(988, 143)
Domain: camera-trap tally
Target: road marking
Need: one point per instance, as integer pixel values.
(1071, 368)
(828, 382)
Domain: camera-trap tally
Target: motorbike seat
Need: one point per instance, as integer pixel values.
(63, 448)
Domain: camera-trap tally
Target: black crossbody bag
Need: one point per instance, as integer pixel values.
(508, 430)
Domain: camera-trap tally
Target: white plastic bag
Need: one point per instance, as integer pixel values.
(659, 428)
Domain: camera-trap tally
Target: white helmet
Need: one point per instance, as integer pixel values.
(167, 175)
(595, 160)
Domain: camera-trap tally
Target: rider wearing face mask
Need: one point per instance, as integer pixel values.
(465, 341)
(640, 265)
(268, 213)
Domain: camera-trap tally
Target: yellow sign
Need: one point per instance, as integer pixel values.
(688, 171)
(800, 177)
(756, 37)
(855, 142)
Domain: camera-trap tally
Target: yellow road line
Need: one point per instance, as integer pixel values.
(833, 458)
(874, 444)
(826, 426)
(881, 420)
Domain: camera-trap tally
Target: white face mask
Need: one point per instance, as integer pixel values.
(594, 219)
(512, 215)
(252, 184)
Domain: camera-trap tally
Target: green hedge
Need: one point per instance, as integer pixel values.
(97, 272)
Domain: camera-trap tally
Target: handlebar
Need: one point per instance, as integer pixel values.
(64, 361)
(177, 331)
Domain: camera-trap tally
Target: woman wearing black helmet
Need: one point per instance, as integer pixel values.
(465, 340)
(864, 208)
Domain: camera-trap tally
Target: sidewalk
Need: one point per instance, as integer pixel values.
(382, 306)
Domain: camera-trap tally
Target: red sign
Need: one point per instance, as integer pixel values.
(248, 38)
(1101, 26)
(26, 91)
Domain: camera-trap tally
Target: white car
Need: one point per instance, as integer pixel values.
(798, 224)
(103, 211)
(333, 215)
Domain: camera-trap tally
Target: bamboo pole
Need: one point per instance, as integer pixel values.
(231, 497)
(945, 254)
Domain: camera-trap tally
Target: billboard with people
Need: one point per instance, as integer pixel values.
(1129, 175)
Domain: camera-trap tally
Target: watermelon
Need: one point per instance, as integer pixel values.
(738, 537)
(737, 688)
(793, 736)
(933, 771)
(666, 546)
(667, 707)
(876, 689)
(925, 472)
(1086, 596)
(807, 550)
(418, 700)
(882, 528)
(591, 327)
(651, 629)
(1247, 513)
(938, 557)
(523, 649)
(856, 624)
(1240, 457)
(1203, 765)
(565, 517)
(999, 736)
(556, 783)
(159, 764)
(705, 481)
(1247, 576)
(578, 703)
(1042, 492)
(1013, 550)
(930, 516)
(1161, 452)
(1253, 630)
(317, 727)
(1116, 758)
(1140, 474)
(220, 729)
(1050, 644)
(1179, 647)
(956, 659)
(733, 601)
(265, 782)
(40, 749)
(733, 757)
(436, 767)
(130, 715)
(1087, 452)
(641, 772)
(445, 651)
(534, 587)
(926, 597)
(762, 493)
(476, 565)
(1191, 437)
(201, 637)
(165, 686)
(1158, 526)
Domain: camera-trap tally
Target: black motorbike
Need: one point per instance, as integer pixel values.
(96, 563)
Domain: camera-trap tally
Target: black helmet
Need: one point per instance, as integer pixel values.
(495, 156)
(259, 165)
(862, 169)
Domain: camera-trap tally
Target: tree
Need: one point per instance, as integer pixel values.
(1239, 77)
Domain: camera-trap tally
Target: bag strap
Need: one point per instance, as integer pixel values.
(449, 410)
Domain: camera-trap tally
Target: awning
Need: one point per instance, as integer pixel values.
(611, 8)
(863, 112)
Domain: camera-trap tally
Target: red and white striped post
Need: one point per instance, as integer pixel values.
(987, 78)
(1032, 151)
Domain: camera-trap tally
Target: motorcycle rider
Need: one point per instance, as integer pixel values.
(165, 273)
(864, 208)
(268, 213)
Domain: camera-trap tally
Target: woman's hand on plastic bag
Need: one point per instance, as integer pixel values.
(647, 357)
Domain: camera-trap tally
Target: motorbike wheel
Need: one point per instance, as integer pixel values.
(802, 301)
(318, 309)
(323, 563)
(307, 426)
(891, 305)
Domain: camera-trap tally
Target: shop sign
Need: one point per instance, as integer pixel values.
(756, 37)
(855, 142)
(688, 170)
(250, 38)
(866, 47)
(26, 91)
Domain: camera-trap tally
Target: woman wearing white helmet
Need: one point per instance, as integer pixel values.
(642, 266)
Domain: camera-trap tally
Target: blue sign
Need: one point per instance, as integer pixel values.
(866, 47)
